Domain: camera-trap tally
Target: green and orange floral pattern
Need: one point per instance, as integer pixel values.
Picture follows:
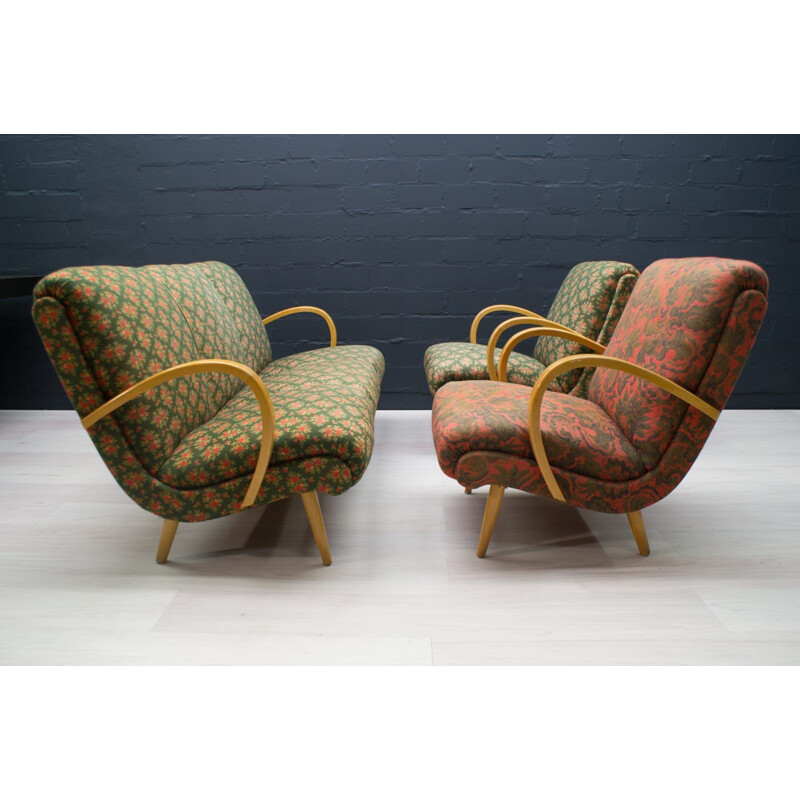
(629, 444)
(105, 328)
(590, 301)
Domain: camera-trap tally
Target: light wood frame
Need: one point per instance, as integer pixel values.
(530, 315)
(559, 332)
(537, 443)
(305, 310)
(252, 379)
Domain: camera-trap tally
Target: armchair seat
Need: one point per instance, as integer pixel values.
(481, 427)
(323, 404)
(464, 361)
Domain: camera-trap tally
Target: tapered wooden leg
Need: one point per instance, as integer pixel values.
(314, 514)
(490, 517)
(639, 532)
(468, 490)
(165, 543)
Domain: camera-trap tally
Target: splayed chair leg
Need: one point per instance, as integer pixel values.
(490, 517)
(639, 532)
(314, 514)
(468, 490)
(168, 530)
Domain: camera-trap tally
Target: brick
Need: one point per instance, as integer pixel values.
(240, 175)
(49, 205)
(368, 198)
(211, 202)
(183, 176)
(420, 195)
(660, 226)
(367, 146)
(571, 198)
(664, 171)
(341, 172)
(471, 195)
(471, 145)
(644, 198)
(161, 202)
(523, 145)
(291, 173)
(527, 196)
(314, 198)
(500, 170)
(544, 224)
(259, 201)
(613, 170)
(468, 251)
(694, 198)
(315, 145)
(251, 148)
(413, 145)
(587, 145)
(560, 170)
(444, 170)
(743, 198)
(399, 170)
(749, 145)
(647, 145)
(604, 224)
(696, 147)
(766, 173)
(715, 171)
(59, 176)
(170, 150)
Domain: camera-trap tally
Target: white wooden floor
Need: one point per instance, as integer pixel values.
(79, 584)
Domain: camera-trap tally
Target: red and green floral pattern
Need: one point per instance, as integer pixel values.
(590, 301)
(106, 328)
(700, 336)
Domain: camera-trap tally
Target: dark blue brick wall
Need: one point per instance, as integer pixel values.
(401, 238)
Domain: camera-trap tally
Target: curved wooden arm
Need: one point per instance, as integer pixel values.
(302, 310)
(473, 331)
(207, 365)
(548, 329)
(575, 362)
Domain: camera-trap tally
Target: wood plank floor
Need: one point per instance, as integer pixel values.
(79, 584)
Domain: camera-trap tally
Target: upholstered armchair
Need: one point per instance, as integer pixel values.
(585, 310)
(656, 391)
(171, 371)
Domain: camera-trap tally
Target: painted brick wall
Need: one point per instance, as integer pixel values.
(401, 238)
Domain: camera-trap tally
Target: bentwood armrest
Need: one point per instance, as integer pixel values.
(547, 329)
(305, 310)
(473, 331)
(249, 376)
(589, 360)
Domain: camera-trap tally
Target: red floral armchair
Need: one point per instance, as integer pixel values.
(656, 391)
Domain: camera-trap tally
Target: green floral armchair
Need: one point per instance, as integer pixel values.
(171, 371)
(657, 389)
(585, 311)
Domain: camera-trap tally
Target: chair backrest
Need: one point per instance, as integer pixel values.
(590, 301)
(694, 321)
(105, 328)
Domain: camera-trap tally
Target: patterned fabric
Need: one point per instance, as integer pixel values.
(681, 334)
(107, 327)
(590, 301)
(671, 325)
(488, 416)
(324, 403)
(134, 322)
(461, 361)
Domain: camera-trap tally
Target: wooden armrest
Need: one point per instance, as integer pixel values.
(302, 310)
(250, 377)
(588, 360)
(473, 331)
(547, 329)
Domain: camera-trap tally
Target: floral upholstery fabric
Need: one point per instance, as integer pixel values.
(106, 328)
(590, 301)
(700, 336)
(461, 361)
(489, 416)
(324, 403)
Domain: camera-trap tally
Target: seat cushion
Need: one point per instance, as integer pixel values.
(488, 416)
(324, 403)
(461, 361)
